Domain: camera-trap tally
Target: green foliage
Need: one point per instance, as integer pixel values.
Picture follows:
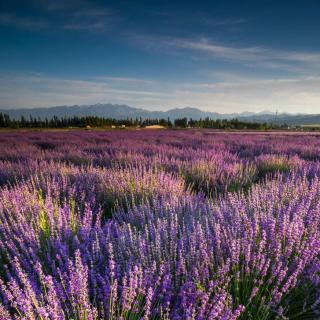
(272, 165)
(99, 122)
(78, 122)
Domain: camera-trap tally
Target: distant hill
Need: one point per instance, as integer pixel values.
(124, 112)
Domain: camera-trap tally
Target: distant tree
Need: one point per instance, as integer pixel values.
(181, 123)
(94, 121)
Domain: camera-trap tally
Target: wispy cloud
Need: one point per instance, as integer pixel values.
(14, 20)
(228, 93)
(260, 56)
(194, 18)
(38, 90)
(127, 80)
(220, 51)
(67, 15)
(90, 18)
(92, 26)
(92, 12)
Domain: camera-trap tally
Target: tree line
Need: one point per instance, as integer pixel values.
(99, 122)
(79, 122)
(225, 124)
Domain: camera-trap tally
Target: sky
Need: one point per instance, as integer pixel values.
(223, 56)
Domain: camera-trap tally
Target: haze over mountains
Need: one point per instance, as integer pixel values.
(124, 112)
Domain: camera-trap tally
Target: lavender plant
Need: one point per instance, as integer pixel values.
(121, 235)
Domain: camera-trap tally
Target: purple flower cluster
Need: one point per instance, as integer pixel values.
(159, 225)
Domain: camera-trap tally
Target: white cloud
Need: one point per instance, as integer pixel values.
(232, 93)
(220, 51)
(255, 56)
(126, 80)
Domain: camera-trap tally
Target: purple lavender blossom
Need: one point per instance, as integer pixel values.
(159, 225)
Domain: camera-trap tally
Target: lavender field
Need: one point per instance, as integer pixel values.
(159, 225)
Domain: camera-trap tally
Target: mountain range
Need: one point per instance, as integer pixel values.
(124, 112)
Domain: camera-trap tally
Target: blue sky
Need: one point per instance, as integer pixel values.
(224, 56)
